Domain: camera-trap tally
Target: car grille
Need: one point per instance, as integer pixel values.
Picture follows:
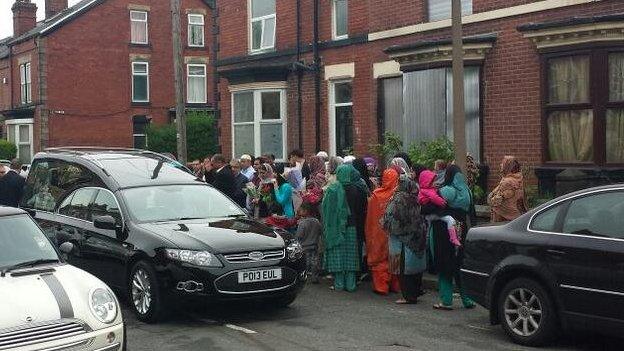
(254, 256)
(39, 333)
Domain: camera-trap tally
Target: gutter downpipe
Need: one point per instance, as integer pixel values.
(299, 78)
(317, 78)
(215, 74)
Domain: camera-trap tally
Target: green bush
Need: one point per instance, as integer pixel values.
(201, 135)
(426, 153)
(392, 144)
(8, 150)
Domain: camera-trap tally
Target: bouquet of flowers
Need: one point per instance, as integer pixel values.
(257, 194)
(313, 196)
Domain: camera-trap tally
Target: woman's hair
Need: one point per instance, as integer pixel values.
(510, 165)
(451, 171)
(334, 162)
(280, 179)
(418, 169)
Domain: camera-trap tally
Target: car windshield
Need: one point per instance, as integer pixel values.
(22, 241)
(179, 202)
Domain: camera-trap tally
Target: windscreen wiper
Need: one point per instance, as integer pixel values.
(26, 264)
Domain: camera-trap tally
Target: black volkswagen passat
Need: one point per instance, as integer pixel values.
(558, 266)
(148, 228)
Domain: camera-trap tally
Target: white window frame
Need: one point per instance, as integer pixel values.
(146, 74)
(188, 79)
(263, 19)
(258, 121)
(16, 123)
(332, 112)
(469, 10)
(334, 21)
(25, 83)
(200, 24)
(140, 21)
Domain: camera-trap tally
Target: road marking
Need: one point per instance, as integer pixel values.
(478, 328)
(240, 329)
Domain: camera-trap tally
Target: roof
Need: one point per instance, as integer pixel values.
(4, 49)
(573, 21)
(49, 25)
(475, 39)
(10, 211)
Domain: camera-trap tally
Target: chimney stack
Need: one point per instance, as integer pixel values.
(52, 7)
(24, 17)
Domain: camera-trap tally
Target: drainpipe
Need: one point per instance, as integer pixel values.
(215, 75)
(299, 77)
(317, 77)
(11, 75)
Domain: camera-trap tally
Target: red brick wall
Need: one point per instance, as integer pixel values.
(89, 74)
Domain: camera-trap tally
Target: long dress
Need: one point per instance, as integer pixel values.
(377, 237)
(341, 254)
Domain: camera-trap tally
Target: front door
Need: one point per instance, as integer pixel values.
(587, 256)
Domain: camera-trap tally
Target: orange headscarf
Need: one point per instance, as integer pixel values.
(376, 237)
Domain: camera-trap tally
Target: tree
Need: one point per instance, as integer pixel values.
(201, 136)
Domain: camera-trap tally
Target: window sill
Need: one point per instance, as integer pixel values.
(137, 45)
(262, 51)
(141, 104)
(189, 47)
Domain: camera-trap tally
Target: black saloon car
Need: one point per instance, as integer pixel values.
(148, 228)
(560, 266)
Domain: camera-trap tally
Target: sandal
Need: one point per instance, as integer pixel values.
(439, 306)
(405, 302)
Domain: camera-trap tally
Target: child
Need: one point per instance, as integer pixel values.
(428, 194)
(440, 172)
(309, 233)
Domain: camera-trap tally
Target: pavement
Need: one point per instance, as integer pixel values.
(322, 319)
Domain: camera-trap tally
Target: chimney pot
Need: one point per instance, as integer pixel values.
(24, 16)
(52, 7)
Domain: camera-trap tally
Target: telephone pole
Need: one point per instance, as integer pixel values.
(459, 113)
(178, 72)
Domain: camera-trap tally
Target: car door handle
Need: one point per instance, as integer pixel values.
(556, 252)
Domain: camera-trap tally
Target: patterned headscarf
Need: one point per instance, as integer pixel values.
(402, 218)
(399, 165)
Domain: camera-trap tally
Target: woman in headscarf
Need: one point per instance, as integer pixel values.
(408, 239)
(332, 165)
(376, 236)
(317, 173)
(361, 167)
(284, 195)
(446, 257)
(263, 204)
(357, 197)
(341, 254)
(401, 166)
(507, 200)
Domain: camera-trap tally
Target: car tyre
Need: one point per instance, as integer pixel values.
(527, 313)
(144, 293)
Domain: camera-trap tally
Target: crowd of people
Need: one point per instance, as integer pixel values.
(12, 180)
(358, 221)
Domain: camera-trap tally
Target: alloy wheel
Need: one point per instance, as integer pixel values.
(141, 291)
(523, 312)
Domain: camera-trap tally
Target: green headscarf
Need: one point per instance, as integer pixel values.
(336, 210)
(351, 176)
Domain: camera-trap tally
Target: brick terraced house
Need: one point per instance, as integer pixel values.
(544, 80)
(97, 72)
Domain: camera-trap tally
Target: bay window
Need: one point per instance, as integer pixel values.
(20, 133)
(262, 25)
(584, 108)
(140, 82)
(195, 30)
(138, 27)
(258, 120)
(196, 83)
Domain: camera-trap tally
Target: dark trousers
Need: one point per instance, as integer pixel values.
(410, 283)
(313, 263)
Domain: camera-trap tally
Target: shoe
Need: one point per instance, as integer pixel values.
(439, 306)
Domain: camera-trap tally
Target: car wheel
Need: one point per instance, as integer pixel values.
(144, 293)
(527, 312)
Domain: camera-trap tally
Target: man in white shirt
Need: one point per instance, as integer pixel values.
(247, 169)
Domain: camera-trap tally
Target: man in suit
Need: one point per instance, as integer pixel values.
(240, 182)
(12, 185)
(221, 177)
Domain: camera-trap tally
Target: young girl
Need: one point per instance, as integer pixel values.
(428, 194)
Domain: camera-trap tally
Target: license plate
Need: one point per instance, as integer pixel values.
(261, 275)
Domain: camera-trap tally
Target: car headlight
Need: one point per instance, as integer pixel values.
(197, 258)
(103, 305)
(294, 250)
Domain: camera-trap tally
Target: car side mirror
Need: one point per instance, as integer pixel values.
(66, 247)
(105, 222)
